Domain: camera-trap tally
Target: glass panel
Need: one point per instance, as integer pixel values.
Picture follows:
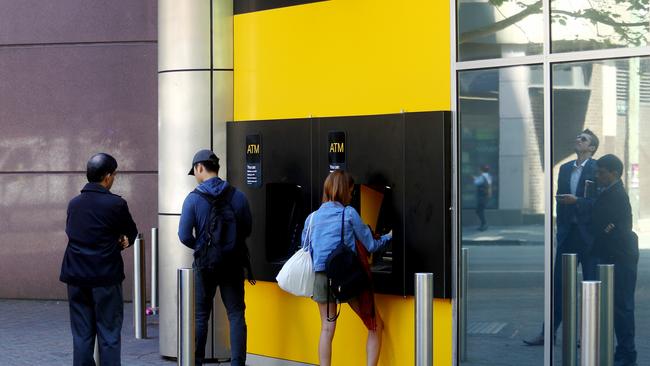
(610, 99)
(579, 25)
(499, 28)
(502, 213)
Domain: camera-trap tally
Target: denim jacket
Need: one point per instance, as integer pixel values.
(325, 232)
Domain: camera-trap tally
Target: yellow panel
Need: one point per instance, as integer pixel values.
(342, 57)
(284, 326)
(371, 201)
(339, 58)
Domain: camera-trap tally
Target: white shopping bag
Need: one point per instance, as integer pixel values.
(297, 275)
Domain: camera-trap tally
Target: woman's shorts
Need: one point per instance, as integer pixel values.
(320, 289)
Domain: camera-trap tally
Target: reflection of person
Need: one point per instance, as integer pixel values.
(226, 269)
(483, 183)
(325, 235)
(99, 226)
(575, 193)
(615, 243)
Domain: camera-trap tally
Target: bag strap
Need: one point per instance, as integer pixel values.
(308, 246)
(342, 227)
(337, 306)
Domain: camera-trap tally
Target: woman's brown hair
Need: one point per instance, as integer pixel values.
(338, 187)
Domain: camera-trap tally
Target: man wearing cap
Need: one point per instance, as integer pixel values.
(228, 272)
(99, 226)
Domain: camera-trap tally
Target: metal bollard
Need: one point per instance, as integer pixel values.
(569, 309)
(96, 353)
(463, 303)
(186, 320)
(424, 319)
(606, 276)
(154, 270)
(590, 352)
(139, 289)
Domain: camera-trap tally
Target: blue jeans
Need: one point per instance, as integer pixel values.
(96, 311)
(231, 283)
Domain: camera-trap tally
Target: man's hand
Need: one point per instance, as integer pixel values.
(124, 242)
(567, 199)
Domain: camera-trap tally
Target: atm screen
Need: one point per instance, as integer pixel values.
(374, 204)
(285, 217)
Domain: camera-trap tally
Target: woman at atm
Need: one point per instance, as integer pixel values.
(323, 232)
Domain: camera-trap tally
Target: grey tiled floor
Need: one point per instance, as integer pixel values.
(38, 333)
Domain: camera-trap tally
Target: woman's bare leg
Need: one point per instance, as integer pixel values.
(327, 329)
(373, 343)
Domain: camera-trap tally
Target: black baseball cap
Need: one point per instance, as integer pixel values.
(201, 156)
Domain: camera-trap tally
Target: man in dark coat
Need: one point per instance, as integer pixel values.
(99, 226)
(616, 243)
(575, 195)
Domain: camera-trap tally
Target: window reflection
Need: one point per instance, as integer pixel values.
(499, 28)
(587, 24)
(502, 217)
(612, 99)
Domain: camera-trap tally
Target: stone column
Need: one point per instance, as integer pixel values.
(195, 88)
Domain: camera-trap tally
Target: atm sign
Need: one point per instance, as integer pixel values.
(336, 152)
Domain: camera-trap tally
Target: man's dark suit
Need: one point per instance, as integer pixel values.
(573, 235)
(618, 246)
(93, 269)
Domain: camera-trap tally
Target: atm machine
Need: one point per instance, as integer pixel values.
(401, 164)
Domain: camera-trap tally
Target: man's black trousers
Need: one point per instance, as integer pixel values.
(96, 311)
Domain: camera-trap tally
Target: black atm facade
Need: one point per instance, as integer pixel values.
(401, 164)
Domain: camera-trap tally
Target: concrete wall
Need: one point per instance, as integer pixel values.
(76, 78)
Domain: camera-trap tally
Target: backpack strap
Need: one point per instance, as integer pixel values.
(227, 195)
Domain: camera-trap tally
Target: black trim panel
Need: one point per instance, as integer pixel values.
(249, 6)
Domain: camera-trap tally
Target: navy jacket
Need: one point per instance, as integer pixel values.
(619, 245)
(579, 213)
(96, 220)
(196, 213)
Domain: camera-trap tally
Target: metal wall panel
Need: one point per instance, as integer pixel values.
(222, 104)
(32, 223)
(183, 128)
(69, 21)
(222, 34)
(55, 100)
(427, 221)
(183, 35)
